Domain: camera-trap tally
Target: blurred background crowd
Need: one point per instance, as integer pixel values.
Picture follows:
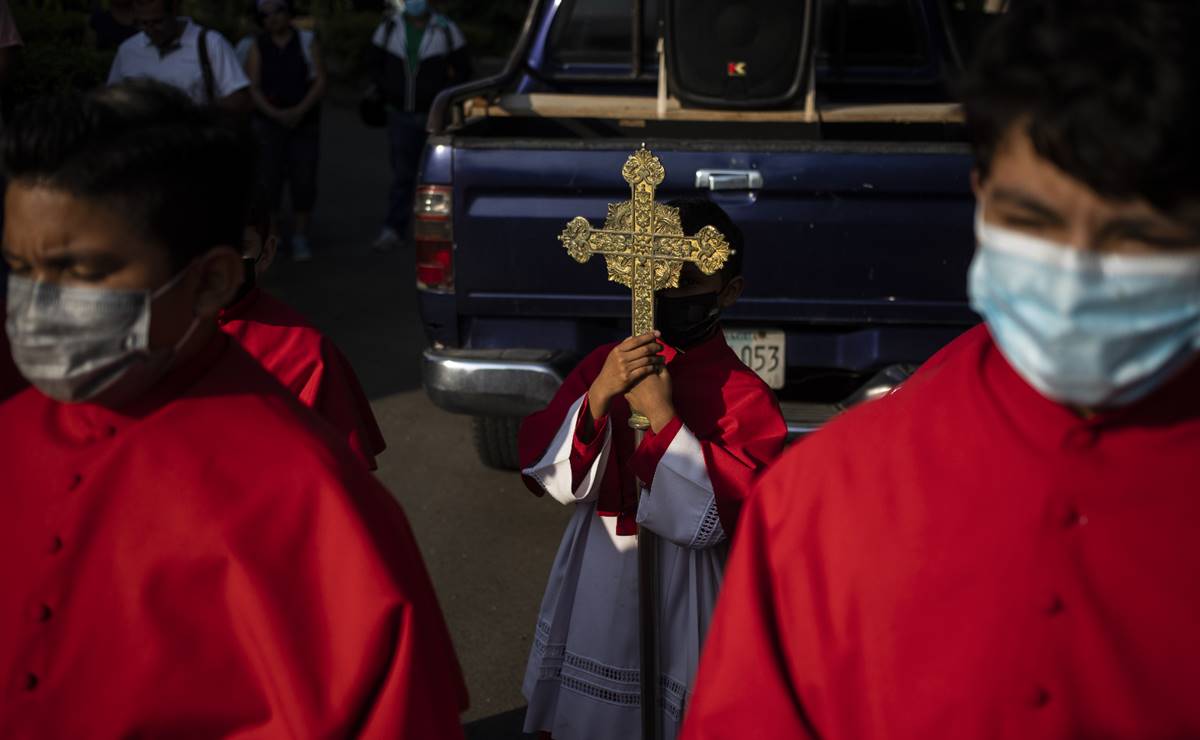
(62, 49)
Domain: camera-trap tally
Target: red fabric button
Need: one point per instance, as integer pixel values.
(42, 613)
(56, 544)
(1081, 438)
(1040, 698)
(1056, 606)
(76, 480)
(31, 681)
(1074, 519)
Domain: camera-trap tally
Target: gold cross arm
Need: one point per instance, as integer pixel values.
(643, 241)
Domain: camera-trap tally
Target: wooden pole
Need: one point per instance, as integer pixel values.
(647, 548)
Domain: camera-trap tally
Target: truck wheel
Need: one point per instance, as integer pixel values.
(496, 441)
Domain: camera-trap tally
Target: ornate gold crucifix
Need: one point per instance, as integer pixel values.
(644, 244)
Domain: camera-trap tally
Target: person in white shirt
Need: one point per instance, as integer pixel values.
(169, 49)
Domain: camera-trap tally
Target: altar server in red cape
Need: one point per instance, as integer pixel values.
(714, 424)
(185, 549)
(300, 357)
(1006, 546)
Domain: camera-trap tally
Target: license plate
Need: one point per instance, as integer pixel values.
(763, 352)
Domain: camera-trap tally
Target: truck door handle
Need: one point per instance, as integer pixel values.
(729, 179)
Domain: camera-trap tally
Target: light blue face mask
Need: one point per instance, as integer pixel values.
(1086, 329)
(416, 8)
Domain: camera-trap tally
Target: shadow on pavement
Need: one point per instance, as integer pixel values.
(487, 542)
(503, 726)
(365, 302)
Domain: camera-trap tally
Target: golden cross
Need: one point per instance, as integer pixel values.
(644, 244)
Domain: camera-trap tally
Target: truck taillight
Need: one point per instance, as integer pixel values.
(433, 237)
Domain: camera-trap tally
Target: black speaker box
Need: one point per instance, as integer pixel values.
(739, 53)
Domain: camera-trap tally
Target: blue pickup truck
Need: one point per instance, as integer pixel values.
(855, 203)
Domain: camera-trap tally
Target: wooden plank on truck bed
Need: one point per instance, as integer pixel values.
(557, 105)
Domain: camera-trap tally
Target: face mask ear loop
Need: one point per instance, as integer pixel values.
(186, 335)
(166, 288)
(172, 283)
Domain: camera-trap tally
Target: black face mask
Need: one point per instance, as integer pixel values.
(687, 320)
(249, 281)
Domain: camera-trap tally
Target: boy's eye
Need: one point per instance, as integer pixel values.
(1025, 219)
(89, 269)
(85, 274)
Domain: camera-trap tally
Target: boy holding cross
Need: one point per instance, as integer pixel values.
(713, 425)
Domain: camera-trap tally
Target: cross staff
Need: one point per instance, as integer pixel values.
(644, 245)
(645, 248)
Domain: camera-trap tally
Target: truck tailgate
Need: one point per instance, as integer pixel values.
(837, 234)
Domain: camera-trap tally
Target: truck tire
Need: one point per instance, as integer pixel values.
(496, 441)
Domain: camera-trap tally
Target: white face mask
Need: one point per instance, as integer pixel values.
(79, 343)
(1083, 328)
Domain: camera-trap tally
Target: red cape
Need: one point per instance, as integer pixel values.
(211, 561)
(967, 559)
(726, 406)
(308, 365)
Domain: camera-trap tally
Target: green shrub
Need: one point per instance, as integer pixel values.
(491, 28)
(346, 37)
(55, 57)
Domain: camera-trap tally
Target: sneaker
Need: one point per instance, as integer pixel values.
(387, 240)
(301, 252)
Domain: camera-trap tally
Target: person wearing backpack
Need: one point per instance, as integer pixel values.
(414, 55)
(287, 82)
(183, 54)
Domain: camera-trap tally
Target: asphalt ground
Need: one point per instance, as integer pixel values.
(487, 542)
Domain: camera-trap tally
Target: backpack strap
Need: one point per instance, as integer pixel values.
(306, 49)
(388, 29)
(206, 69)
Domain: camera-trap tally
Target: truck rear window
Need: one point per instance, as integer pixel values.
(600, 32)
(851, 34)
(870, 33)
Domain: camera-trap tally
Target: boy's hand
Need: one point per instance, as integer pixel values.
(652, 397)
(629, 362)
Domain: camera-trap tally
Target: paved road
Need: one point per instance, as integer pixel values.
(487, 541)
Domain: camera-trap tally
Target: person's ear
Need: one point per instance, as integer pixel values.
(731, 292)
(266, 255)
(220, 273)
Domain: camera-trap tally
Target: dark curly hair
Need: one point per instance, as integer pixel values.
(180, 173)
(1108, 90)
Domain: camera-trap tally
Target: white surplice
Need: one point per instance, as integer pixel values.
(582, 680)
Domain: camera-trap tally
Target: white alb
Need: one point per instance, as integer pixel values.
(582, 680)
